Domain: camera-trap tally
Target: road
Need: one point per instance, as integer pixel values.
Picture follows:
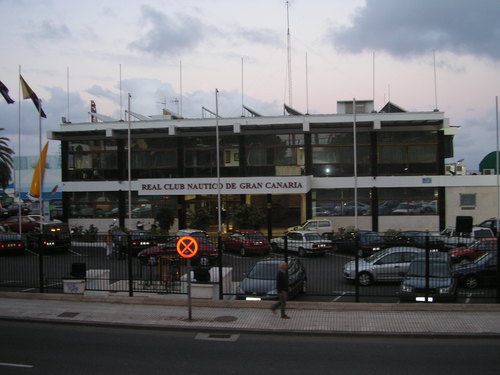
(38, 348)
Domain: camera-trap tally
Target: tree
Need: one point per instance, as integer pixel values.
(6, 163)
(165, 218)
(248, 217)
(199, 218)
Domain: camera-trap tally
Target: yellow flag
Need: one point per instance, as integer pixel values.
(39, 171)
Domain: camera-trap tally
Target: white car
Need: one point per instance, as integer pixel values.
(302, 242)
(386, 265)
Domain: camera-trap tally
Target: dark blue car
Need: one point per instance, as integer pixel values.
(482, 272)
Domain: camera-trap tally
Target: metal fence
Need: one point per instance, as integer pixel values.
(345, 269)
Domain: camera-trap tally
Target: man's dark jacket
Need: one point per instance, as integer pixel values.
(282, 281)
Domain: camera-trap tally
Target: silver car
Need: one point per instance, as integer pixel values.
(387, 265)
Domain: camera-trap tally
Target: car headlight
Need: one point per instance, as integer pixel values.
(406, 289)
(272, 292)
(445, 290)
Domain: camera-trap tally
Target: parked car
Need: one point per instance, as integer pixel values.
(302, 242)
(453, 239)
(11, 242)
(482, 272)
(27, 223)
(386, 265)
(408, 208)
(348, 209)
(362, 242)
(489, 223)
(474, 251)
(322, 226)
(260, 283)
(140, 240)
(4, 213)
(246, 242)
(52, 236)
(14, 209)
(434, 280)
(416, 238)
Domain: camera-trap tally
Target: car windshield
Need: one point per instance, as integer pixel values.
(376, 256)
(483, 259)
(312, 236)
(370, 237)
(264, 271)
(436, 269)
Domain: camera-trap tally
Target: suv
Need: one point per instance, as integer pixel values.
(49, 237)
(302, 242)
(453, 239)
(321, 226)
(434, 281)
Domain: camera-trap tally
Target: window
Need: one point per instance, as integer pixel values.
(467, 201)
(407, 152)
(275, 155)
(408, 201)
(92, 160)
(340, 202)
(333, 154)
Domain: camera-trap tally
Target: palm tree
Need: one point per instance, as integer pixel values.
(6, 163)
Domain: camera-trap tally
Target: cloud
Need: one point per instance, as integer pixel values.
(48, 30)
(98, 91)
(259, 36)
(407, 28)
(169, 35)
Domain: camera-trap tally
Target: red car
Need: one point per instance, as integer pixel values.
(474, 251)
(27, 223)
(205, 257)
(246, 242)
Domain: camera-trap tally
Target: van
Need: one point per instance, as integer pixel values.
(321, 226)
(51, 236)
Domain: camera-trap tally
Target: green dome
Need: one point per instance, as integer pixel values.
(488, 162)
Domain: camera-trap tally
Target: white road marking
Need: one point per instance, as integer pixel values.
(15, 365)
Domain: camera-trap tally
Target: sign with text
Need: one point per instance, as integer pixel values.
(227, 185)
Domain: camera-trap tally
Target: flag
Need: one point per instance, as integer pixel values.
(35, 188)
(28, 93)
(5, 93)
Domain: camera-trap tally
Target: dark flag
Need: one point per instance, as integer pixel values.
(5, 93)
(28, 93)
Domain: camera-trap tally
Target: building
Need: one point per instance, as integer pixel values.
(294, 167)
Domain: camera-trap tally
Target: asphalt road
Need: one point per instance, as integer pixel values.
(325, 281)
(40, 348)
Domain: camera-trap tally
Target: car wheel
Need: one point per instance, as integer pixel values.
(223, 247)
(275, 247)
(360, 253)
(365, 279)
(243, 251)
(335, 248)
(471, 282)
(302, 252)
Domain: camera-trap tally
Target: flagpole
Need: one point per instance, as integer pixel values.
(40, 169)
(129, 160)
(19, 157)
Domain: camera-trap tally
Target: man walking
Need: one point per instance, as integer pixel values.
(283, 289)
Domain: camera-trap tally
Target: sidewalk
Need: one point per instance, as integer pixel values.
(319, 318)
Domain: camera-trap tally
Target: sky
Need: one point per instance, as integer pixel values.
(418, 54)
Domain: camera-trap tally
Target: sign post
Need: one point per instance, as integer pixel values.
(187, 247)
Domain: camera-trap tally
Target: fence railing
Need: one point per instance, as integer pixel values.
(349, 269)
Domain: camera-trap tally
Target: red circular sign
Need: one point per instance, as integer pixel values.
(187, 247)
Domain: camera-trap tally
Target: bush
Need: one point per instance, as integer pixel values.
(248, 217)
